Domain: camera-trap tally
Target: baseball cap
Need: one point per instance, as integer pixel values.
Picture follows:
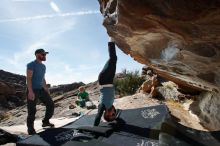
(41, 51)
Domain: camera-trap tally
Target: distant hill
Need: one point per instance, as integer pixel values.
(12, 89)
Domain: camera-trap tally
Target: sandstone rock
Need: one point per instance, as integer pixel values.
(179, 40)
(149, 84)
(169, 90)
(209, 104)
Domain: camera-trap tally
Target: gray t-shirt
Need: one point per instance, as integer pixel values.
(39, 71)
(107, 96)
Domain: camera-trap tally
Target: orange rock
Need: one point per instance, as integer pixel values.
(179, 39)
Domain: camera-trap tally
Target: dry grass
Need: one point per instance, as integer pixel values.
(173, 103)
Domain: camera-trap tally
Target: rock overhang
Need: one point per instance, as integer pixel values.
(178, 39)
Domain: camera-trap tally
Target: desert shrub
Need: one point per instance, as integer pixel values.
(128, 83)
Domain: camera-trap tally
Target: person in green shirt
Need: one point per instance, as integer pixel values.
(83, 96)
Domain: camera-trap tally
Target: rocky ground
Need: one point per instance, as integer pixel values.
(182, 106)
(180, 109)
(182, 113)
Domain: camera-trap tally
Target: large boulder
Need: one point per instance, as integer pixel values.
(209, 110)
(179, 40)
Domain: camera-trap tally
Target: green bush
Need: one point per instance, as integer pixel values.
(128, 83)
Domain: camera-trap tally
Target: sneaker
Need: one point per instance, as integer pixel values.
(31, 131)
(47, 124)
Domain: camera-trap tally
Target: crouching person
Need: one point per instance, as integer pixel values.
(83, 97)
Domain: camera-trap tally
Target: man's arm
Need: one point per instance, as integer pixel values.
(29, 84)
(45, 86)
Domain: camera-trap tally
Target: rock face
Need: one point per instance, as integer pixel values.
(12, 89)
(179, 40)
(60, 89)
(209, 110)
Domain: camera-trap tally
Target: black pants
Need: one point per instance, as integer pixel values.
(101, 109)
(31, 107)
(106, 76)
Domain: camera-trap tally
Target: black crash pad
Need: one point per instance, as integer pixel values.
(93, 142)
(144, 122)
(87, 120)
(137, 126)
(54, 137)
(119, 139)
(147, 117)
(98, 130)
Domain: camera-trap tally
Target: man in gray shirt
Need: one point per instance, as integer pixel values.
(37, 89)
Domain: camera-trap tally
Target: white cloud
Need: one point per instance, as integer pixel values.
(49, 16)
(22, 57)
(55, 7)
(58, 71)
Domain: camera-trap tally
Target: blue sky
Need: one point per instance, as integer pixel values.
(71, 30)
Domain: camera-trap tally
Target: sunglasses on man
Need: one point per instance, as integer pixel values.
(42, 54)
